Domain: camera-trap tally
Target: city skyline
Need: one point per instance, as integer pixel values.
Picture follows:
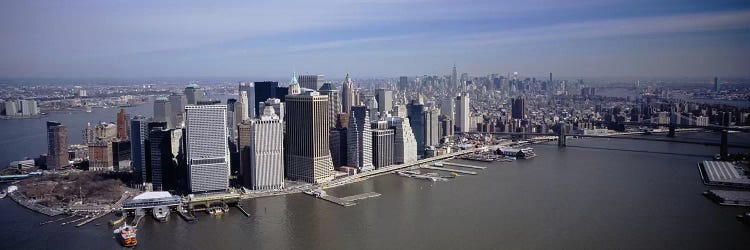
(122, 39)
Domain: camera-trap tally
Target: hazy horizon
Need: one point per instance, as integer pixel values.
(269, 40)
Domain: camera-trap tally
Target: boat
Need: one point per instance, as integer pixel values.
(161, 213)
(216, 211)
(2, 195)
(126, 235)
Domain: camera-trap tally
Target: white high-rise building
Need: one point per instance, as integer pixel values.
(431, 127)
(405, 144)
(276, 104)
(385, 100)
(266, 151)
(359, 139)
(463, 113)
(242, 113)
(207, 147)
(347, 95)
(448, 108)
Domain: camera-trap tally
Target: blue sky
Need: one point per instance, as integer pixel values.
(269, 39)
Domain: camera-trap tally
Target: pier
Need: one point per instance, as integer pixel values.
(337, 200)
(360, 196)
(462, 165)
(451, 170)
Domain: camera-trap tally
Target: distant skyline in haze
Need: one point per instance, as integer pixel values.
(270, 39)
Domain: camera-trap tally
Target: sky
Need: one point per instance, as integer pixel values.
(369, 38)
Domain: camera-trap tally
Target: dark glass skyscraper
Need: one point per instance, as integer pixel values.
(518, 109)
(263, 91)
(415, 111)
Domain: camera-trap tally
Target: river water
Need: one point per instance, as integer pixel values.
(594, 194)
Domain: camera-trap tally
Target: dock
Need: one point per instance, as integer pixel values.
(57, 220)
(729, 198)
(451, 170)
(337, 200)
(243, 211)
(360, 196)
(462, 165)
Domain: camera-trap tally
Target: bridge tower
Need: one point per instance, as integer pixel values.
(561, 136)
(673, 117)
(724, 148)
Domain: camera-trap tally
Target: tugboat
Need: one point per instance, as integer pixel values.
(126, 235)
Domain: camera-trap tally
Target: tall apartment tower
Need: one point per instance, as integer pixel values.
(359, 139)
(266, 152)
(463, 113)
(193, 94)
(207, 147)
(313, 82)
(162, 109)
(385, 100)
(57, 145)
(334, 100)
(241, 108)
(404, 142)
(383, 148)
(431, 127)
(308, 156)
(454, 77)
(249, 89)
(122, 125)
(347, 95)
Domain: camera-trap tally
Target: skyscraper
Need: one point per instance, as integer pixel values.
(334, 100)
(241, 108)
(57, 145)
(122, 125)
(138, 138)
(313, 82)
(372, 107)
(308, 157)
(249, 89)
(382, 144)
(266, 152)
(100, 155)
(231, 122)
(716, 84)
(193, 94)
(448, 108)
(404, 143)
(385, 100)
(263, 91)
(177, 104)
(518, 110)
(338, 141)
(207, 147)
(463, 113)
(415, 109)
(167, 151)
(347, 95)
(359, 139)
(403, 82)
(162, 109)
(432, 127)
(454, 77)
(276, 104)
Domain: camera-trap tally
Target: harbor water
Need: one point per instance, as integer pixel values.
(593, 194)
